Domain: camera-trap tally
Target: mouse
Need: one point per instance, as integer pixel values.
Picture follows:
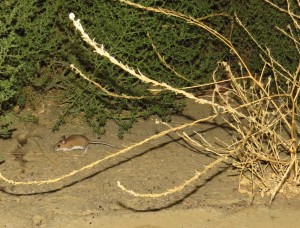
(76, 142)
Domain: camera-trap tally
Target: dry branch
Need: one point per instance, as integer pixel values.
(77, 71)
(89, 166)
(257, 113)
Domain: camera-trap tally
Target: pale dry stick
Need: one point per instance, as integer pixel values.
(255, 173)
(236, 86)
(102, 52)
(275, 71)
(282, 10)
(287, 172)
(252, 138)
(213, 15)
(207, 147)
(272, 165)
(273, 61)
(246, 132)
(139, 75)
(162, 59)
(218, 15)
(145, 79)
(250, 35)
(169, 126)
(213, 83)
(221, 142)
(220, 37)
(177, 188)
(186, 183)
(292, 79)
(253, 181)
(265, 92)
(256, 140)
(281, 141)
(291, 36)
(188, 139)
(261, 76)
(267, 159)
(294, 134)
(77, 71)
(217, 91)
(89, 166)
(193, 21)
(296, 24)
(200, 24)
(253, 120)
(293, 95)
(267, 53)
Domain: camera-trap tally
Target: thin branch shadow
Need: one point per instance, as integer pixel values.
(181, 200)
(126, 159)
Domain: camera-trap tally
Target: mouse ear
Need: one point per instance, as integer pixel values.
(63, 139)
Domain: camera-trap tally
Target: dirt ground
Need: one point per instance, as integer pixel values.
(92, 198)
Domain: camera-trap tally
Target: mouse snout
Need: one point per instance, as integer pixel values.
(57, 147)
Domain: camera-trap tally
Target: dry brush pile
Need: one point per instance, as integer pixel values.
(262, 111)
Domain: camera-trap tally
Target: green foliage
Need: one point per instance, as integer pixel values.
(7, 76)
(38, 42)
(29, 118)
(5, 127)
(261, 19)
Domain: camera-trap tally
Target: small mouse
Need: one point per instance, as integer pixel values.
(75, 142)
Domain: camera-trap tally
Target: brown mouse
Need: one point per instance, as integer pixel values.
(75, 142)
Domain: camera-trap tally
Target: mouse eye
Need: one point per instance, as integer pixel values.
(58, 146)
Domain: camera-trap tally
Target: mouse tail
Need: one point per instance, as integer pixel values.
(103, 143)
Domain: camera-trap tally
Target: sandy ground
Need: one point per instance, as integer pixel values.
(91, 198)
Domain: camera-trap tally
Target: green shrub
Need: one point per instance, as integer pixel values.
(38, 43)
